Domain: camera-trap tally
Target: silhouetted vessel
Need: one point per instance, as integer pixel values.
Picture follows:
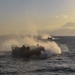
(26, 52)
(52, 39)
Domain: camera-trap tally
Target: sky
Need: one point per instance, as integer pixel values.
(22, 16)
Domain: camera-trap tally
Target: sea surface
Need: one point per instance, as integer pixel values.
(60, 64)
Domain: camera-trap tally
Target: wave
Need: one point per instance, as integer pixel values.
(55, 69)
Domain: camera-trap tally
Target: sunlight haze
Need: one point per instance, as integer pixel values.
(52, 16)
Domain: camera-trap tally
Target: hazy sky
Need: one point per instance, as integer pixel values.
(19, 16)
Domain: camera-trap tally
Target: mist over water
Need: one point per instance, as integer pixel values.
(51, 47)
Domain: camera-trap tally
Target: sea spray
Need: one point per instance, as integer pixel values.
(7, 44)
(45, 36)
(50, 47)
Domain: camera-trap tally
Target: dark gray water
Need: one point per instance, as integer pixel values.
(63, 64)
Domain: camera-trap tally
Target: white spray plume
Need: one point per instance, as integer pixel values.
(50, 47)
(45, 36)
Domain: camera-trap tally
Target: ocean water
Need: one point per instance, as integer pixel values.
(59, 64)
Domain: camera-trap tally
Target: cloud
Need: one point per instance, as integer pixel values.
(67, 29)
(69, 25)
(62, 16)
